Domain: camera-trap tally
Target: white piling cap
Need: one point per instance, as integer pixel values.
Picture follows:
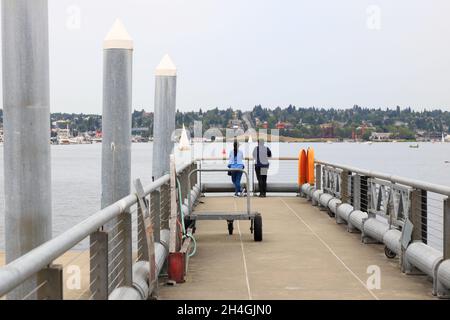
(118, 37)
(166, 67)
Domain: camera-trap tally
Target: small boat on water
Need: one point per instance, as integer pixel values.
(184, 145)
(414, 146)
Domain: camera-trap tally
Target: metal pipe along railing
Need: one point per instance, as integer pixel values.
(18, 271)
(401, 213)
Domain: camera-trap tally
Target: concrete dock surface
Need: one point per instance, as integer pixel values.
(75, 274)
(304, 255)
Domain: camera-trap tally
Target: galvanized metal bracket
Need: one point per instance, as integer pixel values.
(407, 232)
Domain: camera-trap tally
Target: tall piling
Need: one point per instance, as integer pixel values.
(116, 148)
(164, 118)
(26, 103)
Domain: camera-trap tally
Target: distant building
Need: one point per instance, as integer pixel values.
(235, 124)
(283, 125)
(400, 124)
(380, 136)
(327, 130)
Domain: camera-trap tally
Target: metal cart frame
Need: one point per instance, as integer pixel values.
(230, 217)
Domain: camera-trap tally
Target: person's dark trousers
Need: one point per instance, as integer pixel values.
(262, 181)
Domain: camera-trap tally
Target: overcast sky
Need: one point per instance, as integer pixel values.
(240, 53)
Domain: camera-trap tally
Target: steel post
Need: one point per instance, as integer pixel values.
(26, 103)
(164, 116)
(116, 151)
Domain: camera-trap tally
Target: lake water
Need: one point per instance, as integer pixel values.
(76, 170)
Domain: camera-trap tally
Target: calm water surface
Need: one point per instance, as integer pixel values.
(76, 170)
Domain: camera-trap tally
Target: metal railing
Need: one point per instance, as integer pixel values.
(251, 185)
(411, 217)
(111, 250)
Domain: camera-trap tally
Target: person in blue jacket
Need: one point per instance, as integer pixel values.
(236, 161)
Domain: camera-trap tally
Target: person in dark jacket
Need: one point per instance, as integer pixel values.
(261, 155)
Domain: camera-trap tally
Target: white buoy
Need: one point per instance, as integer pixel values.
(184, 145)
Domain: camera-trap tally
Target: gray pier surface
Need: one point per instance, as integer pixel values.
(304, 255)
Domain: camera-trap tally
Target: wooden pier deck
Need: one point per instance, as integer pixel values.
(304, 255)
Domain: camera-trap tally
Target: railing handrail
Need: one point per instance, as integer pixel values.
(19, 270)
(436, 188)
(428, 186)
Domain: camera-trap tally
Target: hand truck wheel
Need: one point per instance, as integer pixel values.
(230, 227)
(258, 228)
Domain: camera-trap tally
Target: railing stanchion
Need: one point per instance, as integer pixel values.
(99, 277)
(318, 177)
(416, 214)
(446, 229)
(155, 200)
(357, 192)
(344, 186)
(142, 239)
(127, 255)
(424, 205)
(364, 195)
(165, 204)
(53, 279)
